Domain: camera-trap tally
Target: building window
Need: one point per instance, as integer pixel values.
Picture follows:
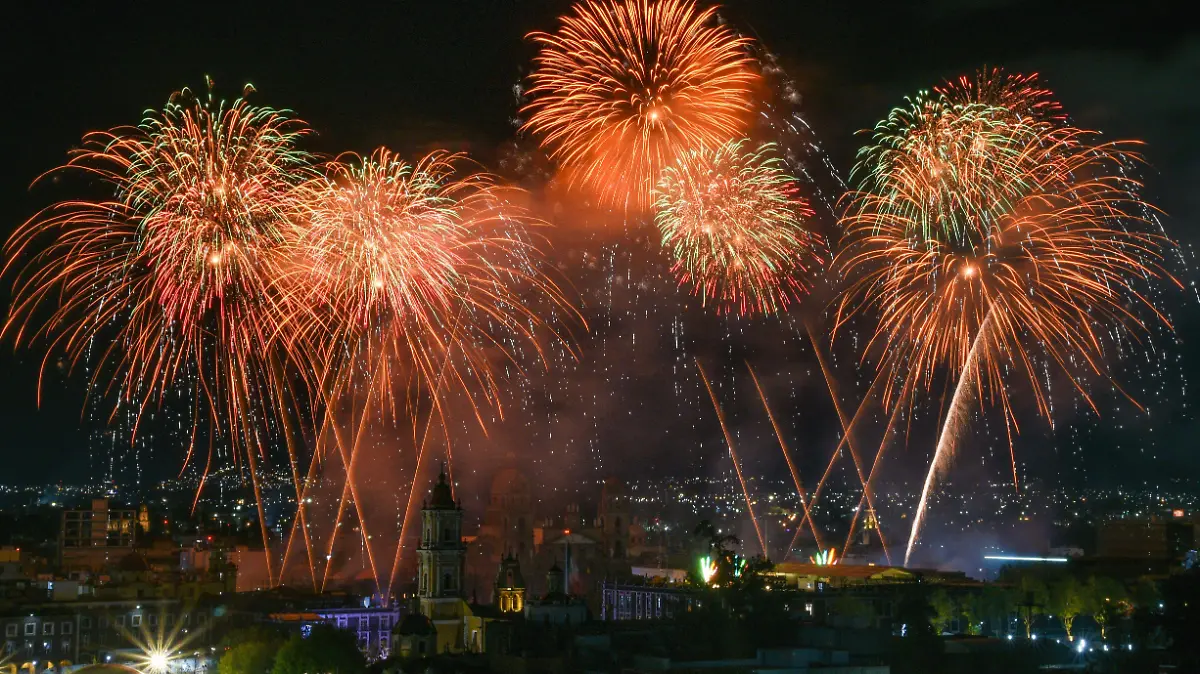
(30, 629)
(135, 620)
(66, 628)
(66, 645)
(84, 639)
(153, 620)
(10, 630)
(120, 621)
(85, 622)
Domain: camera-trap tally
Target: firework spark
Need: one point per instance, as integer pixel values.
(972, 214)
(168, 280)
(734, 227)
(626, 86)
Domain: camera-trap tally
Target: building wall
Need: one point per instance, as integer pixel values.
(81, 632)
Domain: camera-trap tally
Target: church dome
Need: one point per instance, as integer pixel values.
(509, 574)
(510, 482)
(414, 624)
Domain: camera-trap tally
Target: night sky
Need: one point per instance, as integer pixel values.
(414, 75)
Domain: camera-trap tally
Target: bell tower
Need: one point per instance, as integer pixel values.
(441, 559)
(441, 556)
(510, 586)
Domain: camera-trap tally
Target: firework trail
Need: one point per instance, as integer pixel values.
(956, 417)
(787, 455)
(996, 212)
(732, 223)
(733, 456)
(174, 270)
(624, 87)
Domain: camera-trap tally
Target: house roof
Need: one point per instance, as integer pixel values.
(848, 571)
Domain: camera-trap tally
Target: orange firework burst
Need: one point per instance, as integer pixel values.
(625, 86)
(167, 282)
(988, 242)
(421, 253)
(973, 212)
(733, 224)
(408, 278)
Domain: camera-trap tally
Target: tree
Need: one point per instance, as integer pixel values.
(1031, 599)
(251, 657)
(260, 633)
(945, 610)
(1067, 601)
(853, 611)
(996, 604)
(1106, 600)
(919, 650)
(974, 609)
(325, 651)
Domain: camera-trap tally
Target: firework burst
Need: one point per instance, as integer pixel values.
(166, 282)
(734, 227)
(407, 281)
(990, 243)
(625, 86)
(423, 256)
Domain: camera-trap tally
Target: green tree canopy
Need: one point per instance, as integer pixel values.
(1067, 600)
(945, 610)
(1106, 600)
(325, 651)
(251, 657)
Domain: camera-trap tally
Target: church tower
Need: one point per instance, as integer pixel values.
(510, 586)
(440, 562)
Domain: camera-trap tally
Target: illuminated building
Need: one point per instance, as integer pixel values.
(631, 601)
(373, 627)
(62, 633)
